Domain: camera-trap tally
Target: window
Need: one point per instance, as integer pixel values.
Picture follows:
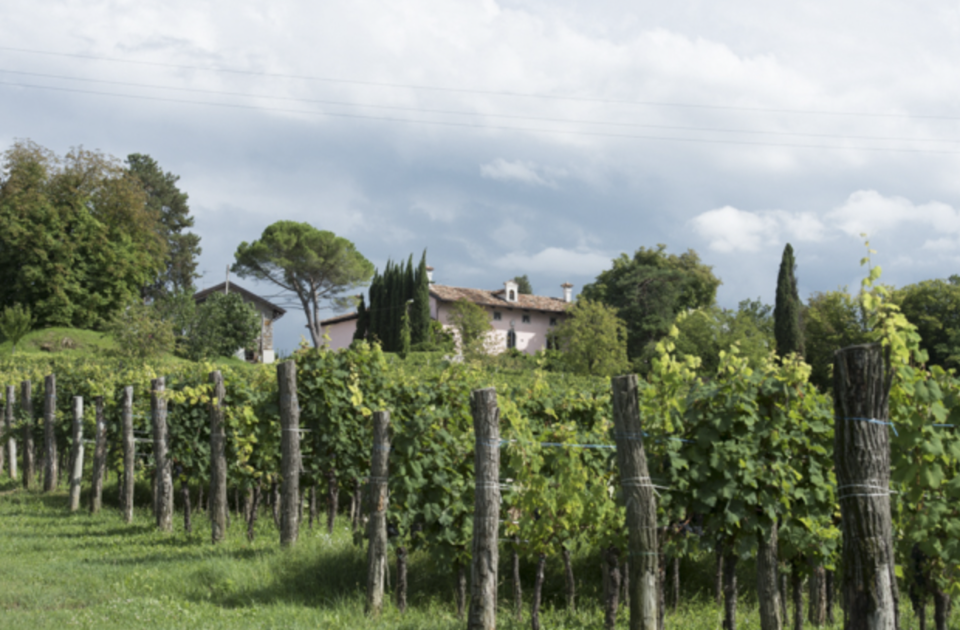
(526, 319)
(553, 321)
(496, 316)
(511, 339)
(512, 296)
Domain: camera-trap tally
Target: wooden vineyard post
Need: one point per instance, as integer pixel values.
(862, 459)
(99, 456)
(289, 453)
(29, 465)
(641, 505)
(161, 449)
(377, 525)
(129, 453)
(76, 453)
(218, 461)
(486, 512)
(8, 426)
(49, 433)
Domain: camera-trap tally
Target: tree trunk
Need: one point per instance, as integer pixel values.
(185, 498)
(200, 504)
(941, 609)
(675, 583)
(796, 587)
(460, 577)
(129, 454)
(661, 589)
(377, 549)
(718, 576)
(290, 452)
(333, 497)
(517, 585)
(76, 453)
(830, 588)
(818, 596)
(625, 581)
(313, 504)
(218, 462)
(768, 595)
(571, 586)
(784, 594)
(99, 456)
(641, 504)
(49, 433)
(254, 511)
(161, 448)
(486, 510)
(862, 462)
(537, 591)
(8, 426)
(401, 578)
(612, 562)
(730, 589)
(275, 502)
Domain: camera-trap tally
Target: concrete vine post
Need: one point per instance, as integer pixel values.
(49, 433)
(862, 458)
(29, 461)
(486, 512)
(377, 525)
(129, 453)
(161, 450)
(99, 456)
(76, 453)
(641, 505)
(289, 453)
(8, 426)
(218, 461)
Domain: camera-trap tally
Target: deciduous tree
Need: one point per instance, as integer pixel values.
(593, 339)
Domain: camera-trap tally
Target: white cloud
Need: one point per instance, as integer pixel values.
(729, 230)
(583, 262)
(520, 171)
(867, 211)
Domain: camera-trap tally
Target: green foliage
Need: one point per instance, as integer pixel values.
(405, 334)
(593, 339)
(933, 306)
(649, 290)
(222, 324)
(166, 200)
(787, 309)
(313, 265)
(472, 325)
(707, 332)
(15, 322)
(523, 285)
(78, 240)
(832, 320)
(400, 291)
(140, 332)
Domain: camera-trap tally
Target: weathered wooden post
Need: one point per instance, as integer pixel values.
(76, 453)
(8, 424)
(99, 456)
(377, 525)
(161, 449)
(218, 461)
(49, 433)
(641, 504)
(289, 453)
(861, 454)
(129, 454)
(3, 451)
(486, 511)
(768, 592)
(26, 403)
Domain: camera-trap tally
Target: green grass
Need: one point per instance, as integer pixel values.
(59, 570)
(72, 341)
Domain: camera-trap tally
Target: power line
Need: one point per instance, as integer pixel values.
(582, 99)
(481, 126)
(479, 114)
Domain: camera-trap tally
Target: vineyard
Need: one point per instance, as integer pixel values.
(740, 467)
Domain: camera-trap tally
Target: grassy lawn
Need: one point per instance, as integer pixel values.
(59, 570)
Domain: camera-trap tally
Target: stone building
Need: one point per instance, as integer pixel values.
(262, 350)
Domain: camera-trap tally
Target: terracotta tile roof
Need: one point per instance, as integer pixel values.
(495, 298)
(339, 318)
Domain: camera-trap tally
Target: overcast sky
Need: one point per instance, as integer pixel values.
(522, 137)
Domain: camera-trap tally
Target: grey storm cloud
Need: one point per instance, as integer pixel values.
(522, 137)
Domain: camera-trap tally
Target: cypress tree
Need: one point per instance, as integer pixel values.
(420, 309)
(786, 311)
(363, 320)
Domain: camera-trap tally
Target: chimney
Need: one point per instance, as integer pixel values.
(511, 290)
(567, 292)
(429, 274)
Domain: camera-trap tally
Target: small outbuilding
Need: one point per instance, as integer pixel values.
(263, 351)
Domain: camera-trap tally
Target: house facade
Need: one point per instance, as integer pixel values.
(518, 321)
(262, 350)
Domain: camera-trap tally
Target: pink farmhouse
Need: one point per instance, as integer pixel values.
(519, 321)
